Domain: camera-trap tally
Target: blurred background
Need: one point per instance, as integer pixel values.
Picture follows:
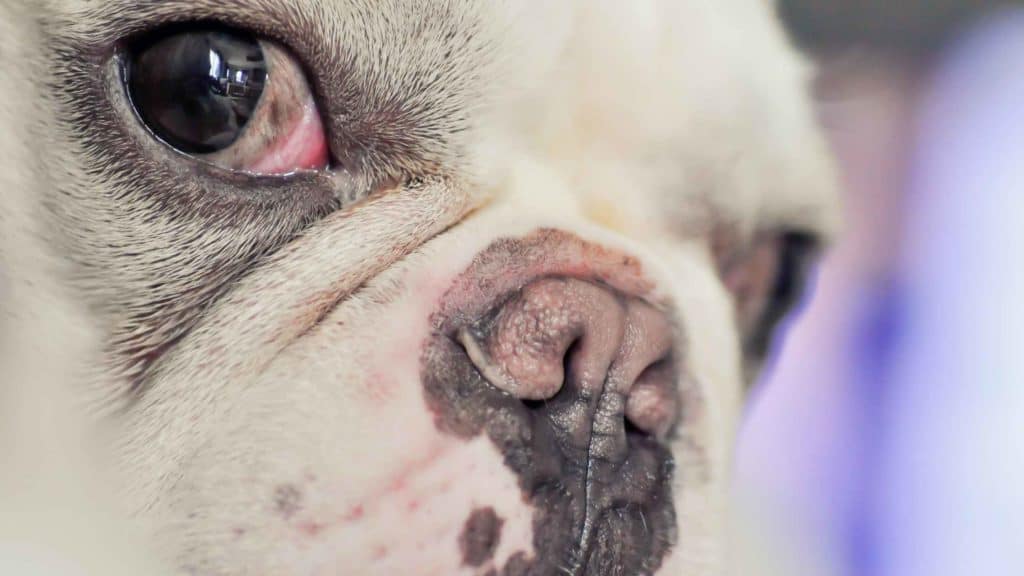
(890, 441)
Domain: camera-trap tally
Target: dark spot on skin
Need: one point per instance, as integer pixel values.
(593, 513)
(287, 500)
(517, 565)
(480, 536)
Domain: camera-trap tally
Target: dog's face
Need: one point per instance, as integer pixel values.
(458, 287)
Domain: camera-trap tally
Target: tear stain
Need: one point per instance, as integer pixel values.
(480, 536)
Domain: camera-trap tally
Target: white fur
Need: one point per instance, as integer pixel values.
(635, 125)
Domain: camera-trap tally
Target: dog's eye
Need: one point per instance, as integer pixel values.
(766, 279)
(227, 98)
(794, 254)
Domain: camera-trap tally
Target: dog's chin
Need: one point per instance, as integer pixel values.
(396, 455)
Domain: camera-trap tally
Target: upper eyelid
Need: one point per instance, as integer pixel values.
(117, 24)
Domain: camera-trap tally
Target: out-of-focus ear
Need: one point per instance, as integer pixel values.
(766, 275)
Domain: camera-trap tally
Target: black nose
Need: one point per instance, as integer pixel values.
(575, 384)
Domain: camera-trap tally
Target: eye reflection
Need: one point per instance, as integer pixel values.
(197, 90)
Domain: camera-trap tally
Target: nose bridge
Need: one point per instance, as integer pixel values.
(537, 185)
(588, 186)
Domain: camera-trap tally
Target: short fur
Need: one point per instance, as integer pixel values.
(222, 331)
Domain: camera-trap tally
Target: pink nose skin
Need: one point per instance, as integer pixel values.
(568, 335)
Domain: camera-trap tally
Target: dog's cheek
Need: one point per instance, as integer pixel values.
(331, 460)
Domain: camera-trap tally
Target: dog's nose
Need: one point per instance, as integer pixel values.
(597, 360)
(577, 382)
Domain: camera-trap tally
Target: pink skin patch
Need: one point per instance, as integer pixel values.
(412, 524)
(304, 147)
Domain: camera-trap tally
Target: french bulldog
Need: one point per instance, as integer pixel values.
(341, 287)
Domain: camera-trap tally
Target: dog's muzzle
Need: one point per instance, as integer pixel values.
(574, 382)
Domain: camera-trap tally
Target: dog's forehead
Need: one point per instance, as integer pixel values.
(639, 99)
(702, 109)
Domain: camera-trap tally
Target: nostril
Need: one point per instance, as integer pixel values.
(525, 368)
(568, 359)
(653, 402)
(645, 371)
